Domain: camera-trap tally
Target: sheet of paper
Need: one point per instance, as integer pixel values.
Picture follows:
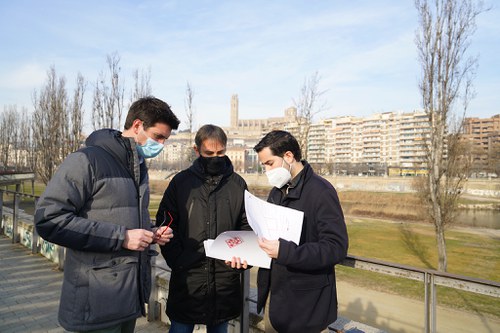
(272, 221)
(237, 243)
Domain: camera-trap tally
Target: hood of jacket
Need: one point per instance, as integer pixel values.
(113, 142)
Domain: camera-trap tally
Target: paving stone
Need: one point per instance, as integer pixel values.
(30, 286)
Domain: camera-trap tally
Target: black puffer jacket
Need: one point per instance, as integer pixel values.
(97, 194)
(202, 290)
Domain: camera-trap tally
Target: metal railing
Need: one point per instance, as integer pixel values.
(35, 240)
(430, 278)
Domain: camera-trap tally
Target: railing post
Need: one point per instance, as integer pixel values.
(35, 246)
(15, 216)
(2, 230)
(245, 312)
(433, 304)
(430, 303)
(427, 297)
(61, 256)
(153, 304)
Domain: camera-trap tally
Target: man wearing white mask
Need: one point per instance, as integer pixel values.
(96, 205)
(301, 282)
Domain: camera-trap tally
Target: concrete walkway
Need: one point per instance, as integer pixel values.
(30, 286)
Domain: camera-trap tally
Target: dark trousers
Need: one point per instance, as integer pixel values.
(125, 327)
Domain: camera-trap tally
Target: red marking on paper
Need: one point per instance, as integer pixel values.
(232, 242)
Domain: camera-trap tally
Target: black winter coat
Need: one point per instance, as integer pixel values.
(301, 280)
(202, 290)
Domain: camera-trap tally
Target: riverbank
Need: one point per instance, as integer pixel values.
(479, 212)
(475, 187)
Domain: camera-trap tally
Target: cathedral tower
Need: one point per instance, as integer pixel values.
(234, 111)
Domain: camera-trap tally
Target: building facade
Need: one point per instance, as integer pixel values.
(483, 137)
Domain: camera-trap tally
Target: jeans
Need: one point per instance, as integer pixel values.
(176, 327)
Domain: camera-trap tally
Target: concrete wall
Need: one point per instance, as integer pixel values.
(475, 187)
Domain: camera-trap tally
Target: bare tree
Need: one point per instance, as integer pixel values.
(442, 40)
(8, 135)
(15, 139)
(190, 115)
(55, 124)
(77, 113)
(142, 84)
(48, 117)
(307, 107)
(107, 107)
(494, 155)
(27, 161)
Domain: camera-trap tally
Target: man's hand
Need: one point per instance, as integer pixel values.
(271, 247)
(236, 263)
(137, 239)
(162, 235)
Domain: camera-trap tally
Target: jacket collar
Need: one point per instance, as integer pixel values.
(122, 148)
(113, 142)
(294, 189)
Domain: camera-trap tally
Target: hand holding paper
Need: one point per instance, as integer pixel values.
(271, 247)
(269, 222)
(272, 221)
(236, 262)
(243, 244)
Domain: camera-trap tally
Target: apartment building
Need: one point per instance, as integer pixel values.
(389, 142)
(344, 144)
(482, 132)
(237, 155)
(316, 143)
(372, 143)
(483, 136)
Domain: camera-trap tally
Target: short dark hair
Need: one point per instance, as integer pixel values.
(210, 131)
(279, 142)
(151, 110)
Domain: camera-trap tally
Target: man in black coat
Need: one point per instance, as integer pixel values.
(301, 282)
(203, 201)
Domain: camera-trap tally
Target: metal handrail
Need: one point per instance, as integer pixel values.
(431, 278)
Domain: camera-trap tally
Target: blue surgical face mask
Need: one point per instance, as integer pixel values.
(150, 149)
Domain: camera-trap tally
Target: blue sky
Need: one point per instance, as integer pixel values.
(263, 51)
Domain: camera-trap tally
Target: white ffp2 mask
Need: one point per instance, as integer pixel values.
(279, 176)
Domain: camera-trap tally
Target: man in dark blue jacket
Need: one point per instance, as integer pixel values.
(301, 282)
(96, 206)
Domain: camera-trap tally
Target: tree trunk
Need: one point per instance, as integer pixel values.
(441, 245)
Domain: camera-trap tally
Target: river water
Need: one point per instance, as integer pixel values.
(479, 218)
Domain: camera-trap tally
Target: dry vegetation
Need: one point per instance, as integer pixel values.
(383, 205)
(393, 206)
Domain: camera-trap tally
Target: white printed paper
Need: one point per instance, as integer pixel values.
(238, 243)
(272, 221)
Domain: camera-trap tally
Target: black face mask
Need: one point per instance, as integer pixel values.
(214, 166)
